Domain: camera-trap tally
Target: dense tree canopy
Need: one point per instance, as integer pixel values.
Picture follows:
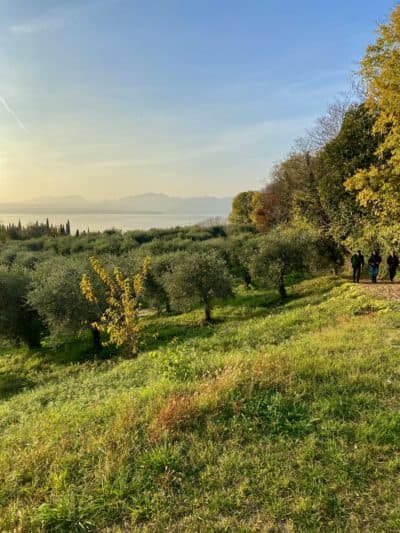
(378, 186)
(343, 178)
(351, 150)
(243, 206)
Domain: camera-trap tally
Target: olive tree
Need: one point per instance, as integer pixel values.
(155, 293)
(18, 320)
(57, 297)
(241, 251)
(198, 277)
(284, 251)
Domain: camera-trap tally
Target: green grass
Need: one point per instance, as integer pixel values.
(276, 418)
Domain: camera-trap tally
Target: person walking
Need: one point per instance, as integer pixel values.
(393, 264)
(357, 262)
(373, 264)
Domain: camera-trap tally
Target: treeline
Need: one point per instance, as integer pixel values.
(38, 229)
(343, 177)
(27, 252)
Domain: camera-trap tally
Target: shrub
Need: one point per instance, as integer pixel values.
(120, 319)
(18, 320)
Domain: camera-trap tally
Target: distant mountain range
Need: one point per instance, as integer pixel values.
(151, 203)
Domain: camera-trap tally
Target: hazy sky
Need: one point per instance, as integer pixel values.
(106, 98)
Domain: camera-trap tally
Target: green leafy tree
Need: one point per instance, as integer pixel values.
(353, 149)
(57, 297)
(284, 251)
(155, 293)
(19, 322)
(240, 252)
(199, 278)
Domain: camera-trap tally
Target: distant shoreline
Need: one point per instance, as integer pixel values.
(82, 211)
(75, 211)
(102, 220)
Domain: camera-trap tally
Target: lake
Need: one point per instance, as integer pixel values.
(103, 221)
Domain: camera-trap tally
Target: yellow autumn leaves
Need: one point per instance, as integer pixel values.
(120, 319)
(378, 187)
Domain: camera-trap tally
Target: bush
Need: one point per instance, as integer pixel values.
(120, 318)
(18, 320)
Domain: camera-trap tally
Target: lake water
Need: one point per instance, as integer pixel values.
(101, 222)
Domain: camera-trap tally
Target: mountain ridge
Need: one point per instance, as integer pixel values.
(143, 203)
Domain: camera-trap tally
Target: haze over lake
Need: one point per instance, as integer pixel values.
(103, 221)
(143, 211)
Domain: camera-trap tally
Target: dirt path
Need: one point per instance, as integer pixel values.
(383, 288)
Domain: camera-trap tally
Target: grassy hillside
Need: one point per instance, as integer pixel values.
(277, 418)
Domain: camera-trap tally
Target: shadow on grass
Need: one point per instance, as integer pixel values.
(12, 383)
(245, 306)
(156, 335)
(258, 305)
(163, 329)
(36, 367)
(77, 350)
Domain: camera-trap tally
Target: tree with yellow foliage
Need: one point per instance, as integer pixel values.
(378, 187)
(120, 320)
(243, 206)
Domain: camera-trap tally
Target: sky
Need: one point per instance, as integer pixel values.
(110, 98)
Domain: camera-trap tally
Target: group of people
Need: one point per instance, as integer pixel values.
(357, 262)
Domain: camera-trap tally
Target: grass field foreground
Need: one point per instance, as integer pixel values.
(276, 418)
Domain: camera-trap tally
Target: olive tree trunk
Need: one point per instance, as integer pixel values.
(96, 337)
(207, 312)
(281, 286)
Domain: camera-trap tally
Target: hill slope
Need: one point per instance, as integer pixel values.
(278, 418)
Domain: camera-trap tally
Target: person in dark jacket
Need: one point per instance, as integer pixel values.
(357, 262)
(373, 264)
(393, 264)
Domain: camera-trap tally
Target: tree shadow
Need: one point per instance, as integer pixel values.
(78, 350)
(161, 330)
(74, 351)
(242, 308)
(12, 383)
(258, 305)
(157, 336)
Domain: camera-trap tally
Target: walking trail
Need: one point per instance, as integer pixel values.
(383, 288)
